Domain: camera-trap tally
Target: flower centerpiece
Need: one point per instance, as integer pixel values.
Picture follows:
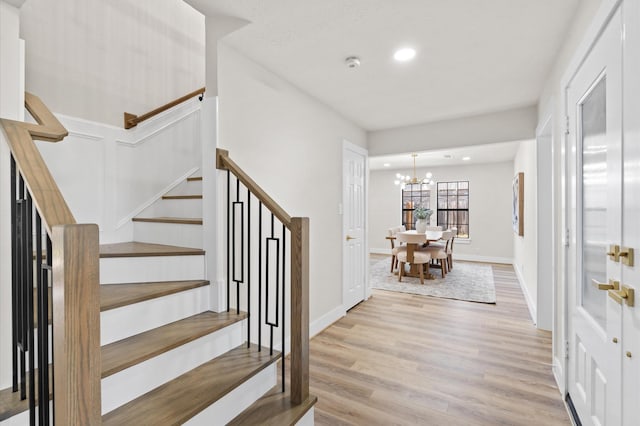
(422, 216)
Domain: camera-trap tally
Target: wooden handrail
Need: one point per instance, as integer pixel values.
(132, 120)
(20, 137)
(75, 299)
(223, 162)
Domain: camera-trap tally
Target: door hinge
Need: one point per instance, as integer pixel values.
(566, 125)
(566, 237)
(566, 349)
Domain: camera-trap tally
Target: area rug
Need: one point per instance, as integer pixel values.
(472, 282)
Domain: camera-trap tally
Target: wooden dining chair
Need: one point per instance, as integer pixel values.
(413, 257)
(439, 253)
(395, 248)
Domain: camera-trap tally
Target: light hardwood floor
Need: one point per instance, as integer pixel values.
(402, 359)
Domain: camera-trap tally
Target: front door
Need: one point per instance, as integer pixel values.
(354, 263)
(594, 158)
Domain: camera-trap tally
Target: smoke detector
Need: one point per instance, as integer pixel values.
(352, 62)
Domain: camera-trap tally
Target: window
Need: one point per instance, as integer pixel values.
(453, 206)
(414, 195)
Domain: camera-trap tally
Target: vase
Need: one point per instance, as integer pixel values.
(421, 226)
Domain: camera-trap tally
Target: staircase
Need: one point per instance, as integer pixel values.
(166, 359)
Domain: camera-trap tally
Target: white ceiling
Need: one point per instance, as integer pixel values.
(473, 56)
(490, 153)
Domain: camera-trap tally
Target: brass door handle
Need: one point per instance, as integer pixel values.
(614, 252)
(626, 293)
(613, 285)
(626, 253)
(349, 238)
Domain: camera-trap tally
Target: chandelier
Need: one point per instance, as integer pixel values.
(405, 180)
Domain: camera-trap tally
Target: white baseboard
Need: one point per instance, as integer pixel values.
(379, 251)
(326, 320)
(487, 259)
(525, 291)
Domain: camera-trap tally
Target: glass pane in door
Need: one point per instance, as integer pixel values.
(594, 200)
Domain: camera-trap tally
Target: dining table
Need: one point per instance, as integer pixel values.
(414, 239)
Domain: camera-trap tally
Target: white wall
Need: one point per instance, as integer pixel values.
(291, 145)
(97, 59)
(491, 235)
(11, 107)
(108, 175)
(525, 248)
(504, 126)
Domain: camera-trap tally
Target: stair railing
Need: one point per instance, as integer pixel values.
(132, 120)
(265, 262)
(66, 257)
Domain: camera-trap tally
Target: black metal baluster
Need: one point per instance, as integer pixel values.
(21, 206)
(14, 276)
(47, 276)
(236, 279)
(260, 276)
(29, 295)
(284, 272)
(248, 268)
(42, 290)
(228, 239)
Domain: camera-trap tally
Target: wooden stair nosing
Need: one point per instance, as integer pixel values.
(10, 402)
(182, 197)
(274, 409)
(180, 399)
(138, 249)
(194, 178)
(133, 350)
(173, 220)
(118, 295)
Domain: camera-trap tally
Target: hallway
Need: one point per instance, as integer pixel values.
(407, 359)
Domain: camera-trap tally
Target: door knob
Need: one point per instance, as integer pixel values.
(613, 285)
(626, 293)
(614, 252)
(349, 238)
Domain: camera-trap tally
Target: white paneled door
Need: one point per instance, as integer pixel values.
(354, 253)
(594, 160)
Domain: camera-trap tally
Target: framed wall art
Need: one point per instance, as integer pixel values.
(518, 204)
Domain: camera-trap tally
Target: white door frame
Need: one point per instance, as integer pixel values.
(546, 227)
(346, 145)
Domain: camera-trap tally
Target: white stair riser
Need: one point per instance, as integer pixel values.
(187, 188)
(168, 233)
(238, 400)
(307, 419)
(135, 381)
(116, 270)
(173, 208)
(117, 324)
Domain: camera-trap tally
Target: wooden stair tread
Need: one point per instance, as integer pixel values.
(177, 220)
(10, 402)
(182, 197)
(133, 350)
(194, 178)
(117, 295)
(177, 401)
(274, 409)
(137, 249)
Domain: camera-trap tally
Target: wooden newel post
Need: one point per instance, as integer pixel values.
(299, 309)
(76, 325)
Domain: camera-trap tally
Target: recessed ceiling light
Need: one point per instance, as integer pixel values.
(404, 54)
(466, 158)
(387, 165)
